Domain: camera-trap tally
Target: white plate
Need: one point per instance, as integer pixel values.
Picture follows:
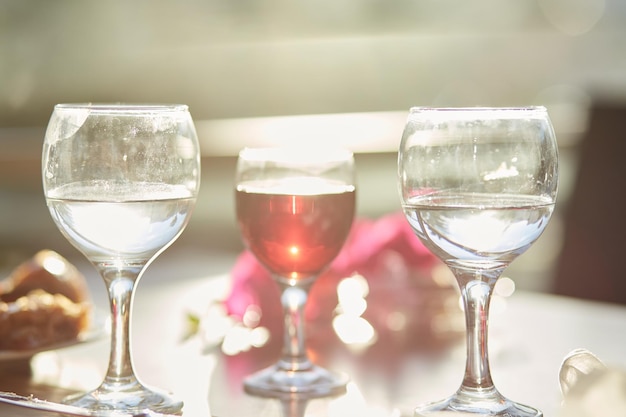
(98, 329)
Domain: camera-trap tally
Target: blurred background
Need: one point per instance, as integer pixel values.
(344, 71)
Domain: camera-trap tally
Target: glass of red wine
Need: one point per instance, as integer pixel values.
(295, 208)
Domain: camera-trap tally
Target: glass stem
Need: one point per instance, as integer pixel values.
(120, 282)
(476, 290)
(293, 299)
(293, 406)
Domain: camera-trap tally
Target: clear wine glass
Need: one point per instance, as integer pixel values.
(121, 182)
(295, 208)
(478, 187)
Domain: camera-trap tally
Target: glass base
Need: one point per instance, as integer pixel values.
(457, 406)
(133, 398)
(311, 382)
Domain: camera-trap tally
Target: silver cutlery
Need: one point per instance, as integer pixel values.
(44, 405)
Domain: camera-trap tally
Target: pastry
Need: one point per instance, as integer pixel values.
(43, 302)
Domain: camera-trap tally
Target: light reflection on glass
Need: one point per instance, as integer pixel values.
(503, 171)
(130, 225)
(350, 327)
(504, 288)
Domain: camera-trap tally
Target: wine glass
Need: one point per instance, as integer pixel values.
(478, 187)
(295, 208)
(120, 182)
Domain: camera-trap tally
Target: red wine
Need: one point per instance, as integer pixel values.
(295, 234)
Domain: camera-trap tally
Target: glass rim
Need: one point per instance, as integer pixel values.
(123, 107)
(478, 109)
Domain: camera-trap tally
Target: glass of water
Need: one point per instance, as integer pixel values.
(478, 187)
(120, 182)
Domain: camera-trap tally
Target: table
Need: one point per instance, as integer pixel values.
(530, 335)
